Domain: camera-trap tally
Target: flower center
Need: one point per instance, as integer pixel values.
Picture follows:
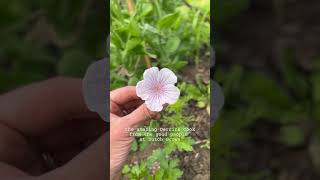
(157, 88)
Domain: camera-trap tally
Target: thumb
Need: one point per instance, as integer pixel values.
(140, 115)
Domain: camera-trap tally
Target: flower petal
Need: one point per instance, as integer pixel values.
(143, 90)
(151, 74)
(166, 76)
(171, 94)
(154, 104)
(157, 88)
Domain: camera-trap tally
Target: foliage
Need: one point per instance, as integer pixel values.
(41, 39)
(168, 33)
(223, 11)
(167, 168)
(252, 98)
(181, 140)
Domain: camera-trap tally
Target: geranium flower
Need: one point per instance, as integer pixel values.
(157, 88)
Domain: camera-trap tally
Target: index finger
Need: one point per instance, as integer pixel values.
(124, 95)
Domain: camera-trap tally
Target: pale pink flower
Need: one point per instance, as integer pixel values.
(157, 88)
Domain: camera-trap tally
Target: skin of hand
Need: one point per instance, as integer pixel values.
(127, 111)
(51, 117)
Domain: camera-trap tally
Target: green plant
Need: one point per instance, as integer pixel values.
(158, 33)
(156, 167)
(252, 98)
(176, 141)
(171, 34)
(42, 39)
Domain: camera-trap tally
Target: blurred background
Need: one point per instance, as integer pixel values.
(41, 39)
(268, 64)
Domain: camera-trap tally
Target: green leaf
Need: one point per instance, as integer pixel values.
(133, 81)
(168, 21)
(148, 27)
(316, 87)
(204, 5)
(156, 155)
(134, 29)
(126, 169)
(115, 40)
(175, 174)
(185, 144)
(135, 170)
(133, 43)
(201, 104)
(74, 63)
(260, 87)
(169, 148)
(294, 79)
(232, 79)
(146, 9)
(172, 45)
(291, 136)
(173, 163)
(134, 146)
(260, 110)
(159, 174)
(223, 11)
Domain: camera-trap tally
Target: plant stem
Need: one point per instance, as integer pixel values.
(147, 61)
(130, 4)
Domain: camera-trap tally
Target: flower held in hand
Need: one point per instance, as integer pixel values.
(157, 88)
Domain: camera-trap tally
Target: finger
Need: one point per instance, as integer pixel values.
(131, 106)
(124, 95)
(16, 150)
(10, 172)
(92, 161)
(39, 107)
(140, 115)
(124, 109)
(72, 133)
(116, 109)
(158, 116)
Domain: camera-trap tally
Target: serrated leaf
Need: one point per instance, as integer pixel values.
(126, 169)
(156, 155)
(185, 144)
(159, 174)
(175, 174)
(169, 148)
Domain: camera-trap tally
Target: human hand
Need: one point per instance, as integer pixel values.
(127, 111)
(46, 132)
